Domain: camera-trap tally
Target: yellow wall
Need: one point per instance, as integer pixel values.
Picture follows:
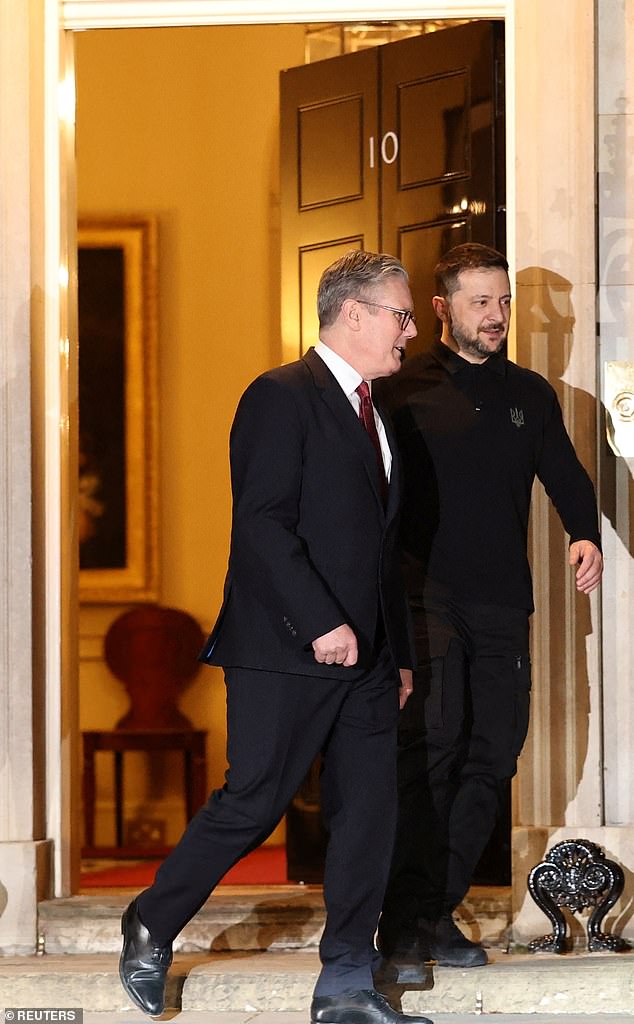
(183, 124)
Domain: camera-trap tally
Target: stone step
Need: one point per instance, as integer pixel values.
(255, 983)
(90, 982)
(239, 918)
(523, 983)
(234, 918)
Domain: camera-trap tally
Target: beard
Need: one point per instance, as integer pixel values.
(472, 343)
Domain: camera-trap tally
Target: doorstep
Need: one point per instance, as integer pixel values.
(241, 918)
(254, 983)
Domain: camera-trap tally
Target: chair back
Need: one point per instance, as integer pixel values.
(153, 650)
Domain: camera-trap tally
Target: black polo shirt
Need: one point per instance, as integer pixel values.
(472, 438)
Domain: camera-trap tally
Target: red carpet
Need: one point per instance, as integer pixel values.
(265, 866)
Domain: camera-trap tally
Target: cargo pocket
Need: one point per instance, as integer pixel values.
(521, 675)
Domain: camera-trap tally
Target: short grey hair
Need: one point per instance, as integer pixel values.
(354, 276)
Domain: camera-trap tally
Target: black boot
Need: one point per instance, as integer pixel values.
(443, 942)
(405, 960)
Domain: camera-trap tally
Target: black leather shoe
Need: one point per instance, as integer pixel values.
(143, 964)
(444, 942)
(363, 1007)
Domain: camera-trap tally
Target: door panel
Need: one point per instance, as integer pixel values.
(329, 194)
(338, 177)
(443, 99)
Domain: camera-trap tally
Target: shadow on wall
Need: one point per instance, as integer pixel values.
(545, 342)
(553, 321)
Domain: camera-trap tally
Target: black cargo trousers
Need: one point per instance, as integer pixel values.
(460, 735)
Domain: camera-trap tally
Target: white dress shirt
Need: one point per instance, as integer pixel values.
(349, 380)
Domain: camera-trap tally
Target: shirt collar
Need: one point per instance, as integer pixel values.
(453, 362)
(347, 377)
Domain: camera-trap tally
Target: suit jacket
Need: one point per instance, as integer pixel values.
(312, 545)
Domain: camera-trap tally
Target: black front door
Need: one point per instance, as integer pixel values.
(398, 148)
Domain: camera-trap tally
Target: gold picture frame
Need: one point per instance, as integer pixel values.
(118, 410)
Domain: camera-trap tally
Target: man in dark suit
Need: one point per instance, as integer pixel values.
(313, 636)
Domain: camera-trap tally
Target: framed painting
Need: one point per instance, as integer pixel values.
(118, 414)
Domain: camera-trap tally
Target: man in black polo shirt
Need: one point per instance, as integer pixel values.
(474, 430)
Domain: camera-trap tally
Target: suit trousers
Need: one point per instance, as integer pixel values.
(277, 723)
(460, 735)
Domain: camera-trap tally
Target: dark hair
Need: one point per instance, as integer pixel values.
(469, 256)
(354, 276)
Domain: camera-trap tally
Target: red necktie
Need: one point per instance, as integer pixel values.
(366, 415)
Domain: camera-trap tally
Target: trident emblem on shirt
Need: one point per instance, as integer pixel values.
(517, 417)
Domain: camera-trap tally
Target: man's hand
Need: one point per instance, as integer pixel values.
(406, 687)
(587, 556)
(338, 647)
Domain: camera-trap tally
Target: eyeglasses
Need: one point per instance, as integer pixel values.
(405, 317)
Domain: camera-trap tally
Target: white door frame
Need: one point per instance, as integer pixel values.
(82, 14)
(59, 214)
